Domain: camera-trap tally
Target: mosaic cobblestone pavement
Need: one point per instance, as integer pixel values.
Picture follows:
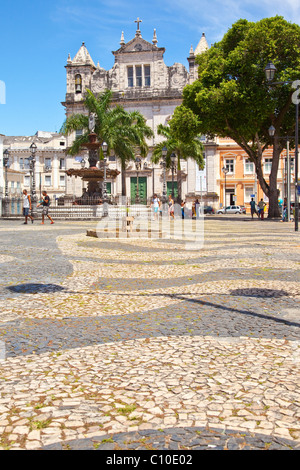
(142, 344)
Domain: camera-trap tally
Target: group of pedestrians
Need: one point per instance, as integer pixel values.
(157, 207)
(27, 207)
(259, 210)
(285, 214)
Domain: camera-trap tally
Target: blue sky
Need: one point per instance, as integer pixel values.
(37, 36)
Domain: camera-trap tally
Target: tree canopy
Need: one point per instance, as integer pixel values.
(232, 97)
(181, 136)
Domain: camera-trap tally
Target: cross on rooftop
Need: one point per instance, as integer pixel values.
(138, 21)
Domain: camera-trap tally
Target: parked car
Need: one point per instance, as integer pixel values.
(232, 210)
(209, 210)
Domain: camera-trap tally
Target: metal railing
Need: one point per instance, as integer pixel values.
(75, 208)
(11, 206)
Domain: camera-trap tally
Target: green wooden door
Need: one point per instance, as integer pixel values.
(142, 189)
(169, 189)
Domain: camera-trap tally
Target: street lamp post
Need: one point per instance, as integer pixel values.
(82, 164)
(296, 170)
(288, 175)
(288, 169)
(138, 163)
(33, 149)
(270, 74)
(6, 199)
(104, 191)
(163, 164)
(225, 171)
(173, 160)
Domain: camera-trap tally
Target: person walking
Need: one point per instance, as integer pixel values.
(284, 211)
(160, 208)
(171, 207)
(253, 208)
(261, 206)
(45, 203)
(182, 209)
(27, 207)
(155, 206)
(197, 208)
(194, 213)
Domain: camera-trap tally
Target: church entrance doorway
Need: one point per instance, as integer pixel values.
(142, 189)
(169, 189)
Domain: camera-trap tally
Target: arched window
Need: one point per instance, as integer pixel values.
(78, 83)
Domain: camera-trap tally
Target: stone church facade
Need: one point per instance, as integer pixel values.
(140, 80)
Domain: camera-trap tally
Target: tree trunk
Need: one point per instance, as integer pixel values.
(270, 190)
(273, 202)
(179, 180)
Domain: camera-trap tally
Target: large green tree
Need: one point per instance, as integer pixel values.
(181, 136)
(233, 98)
(124, 132)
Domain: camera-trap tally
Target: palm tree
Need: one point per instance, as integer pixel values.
(124, 132)
(130, 140)
(192, 149)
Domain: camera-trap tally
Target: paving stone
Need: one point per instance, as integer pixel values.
(189, 339)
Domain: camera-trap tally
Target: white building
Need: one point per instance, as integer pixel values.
(49, 167)
(140, 80)
(1, 172)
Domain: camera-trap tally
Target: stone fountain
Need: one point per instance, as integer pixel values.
(96, 177)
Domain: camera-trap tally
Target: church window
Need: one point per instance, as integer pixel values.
(47, 180)
(78, 83)
(147, 75)
(48, 164)
(138, 75)
(130, 76)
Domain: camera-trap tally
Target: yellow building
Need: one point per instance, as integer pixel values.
(241, 180)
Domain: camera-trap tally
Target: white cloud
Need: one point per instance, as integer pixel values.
(215, 17)
(179, 23)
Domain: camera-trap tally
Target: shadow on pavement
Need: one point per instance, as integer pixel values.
(189, 317)
(33, 288)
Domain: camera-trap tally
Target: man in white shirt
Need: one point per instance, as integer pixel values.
(27, 207)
